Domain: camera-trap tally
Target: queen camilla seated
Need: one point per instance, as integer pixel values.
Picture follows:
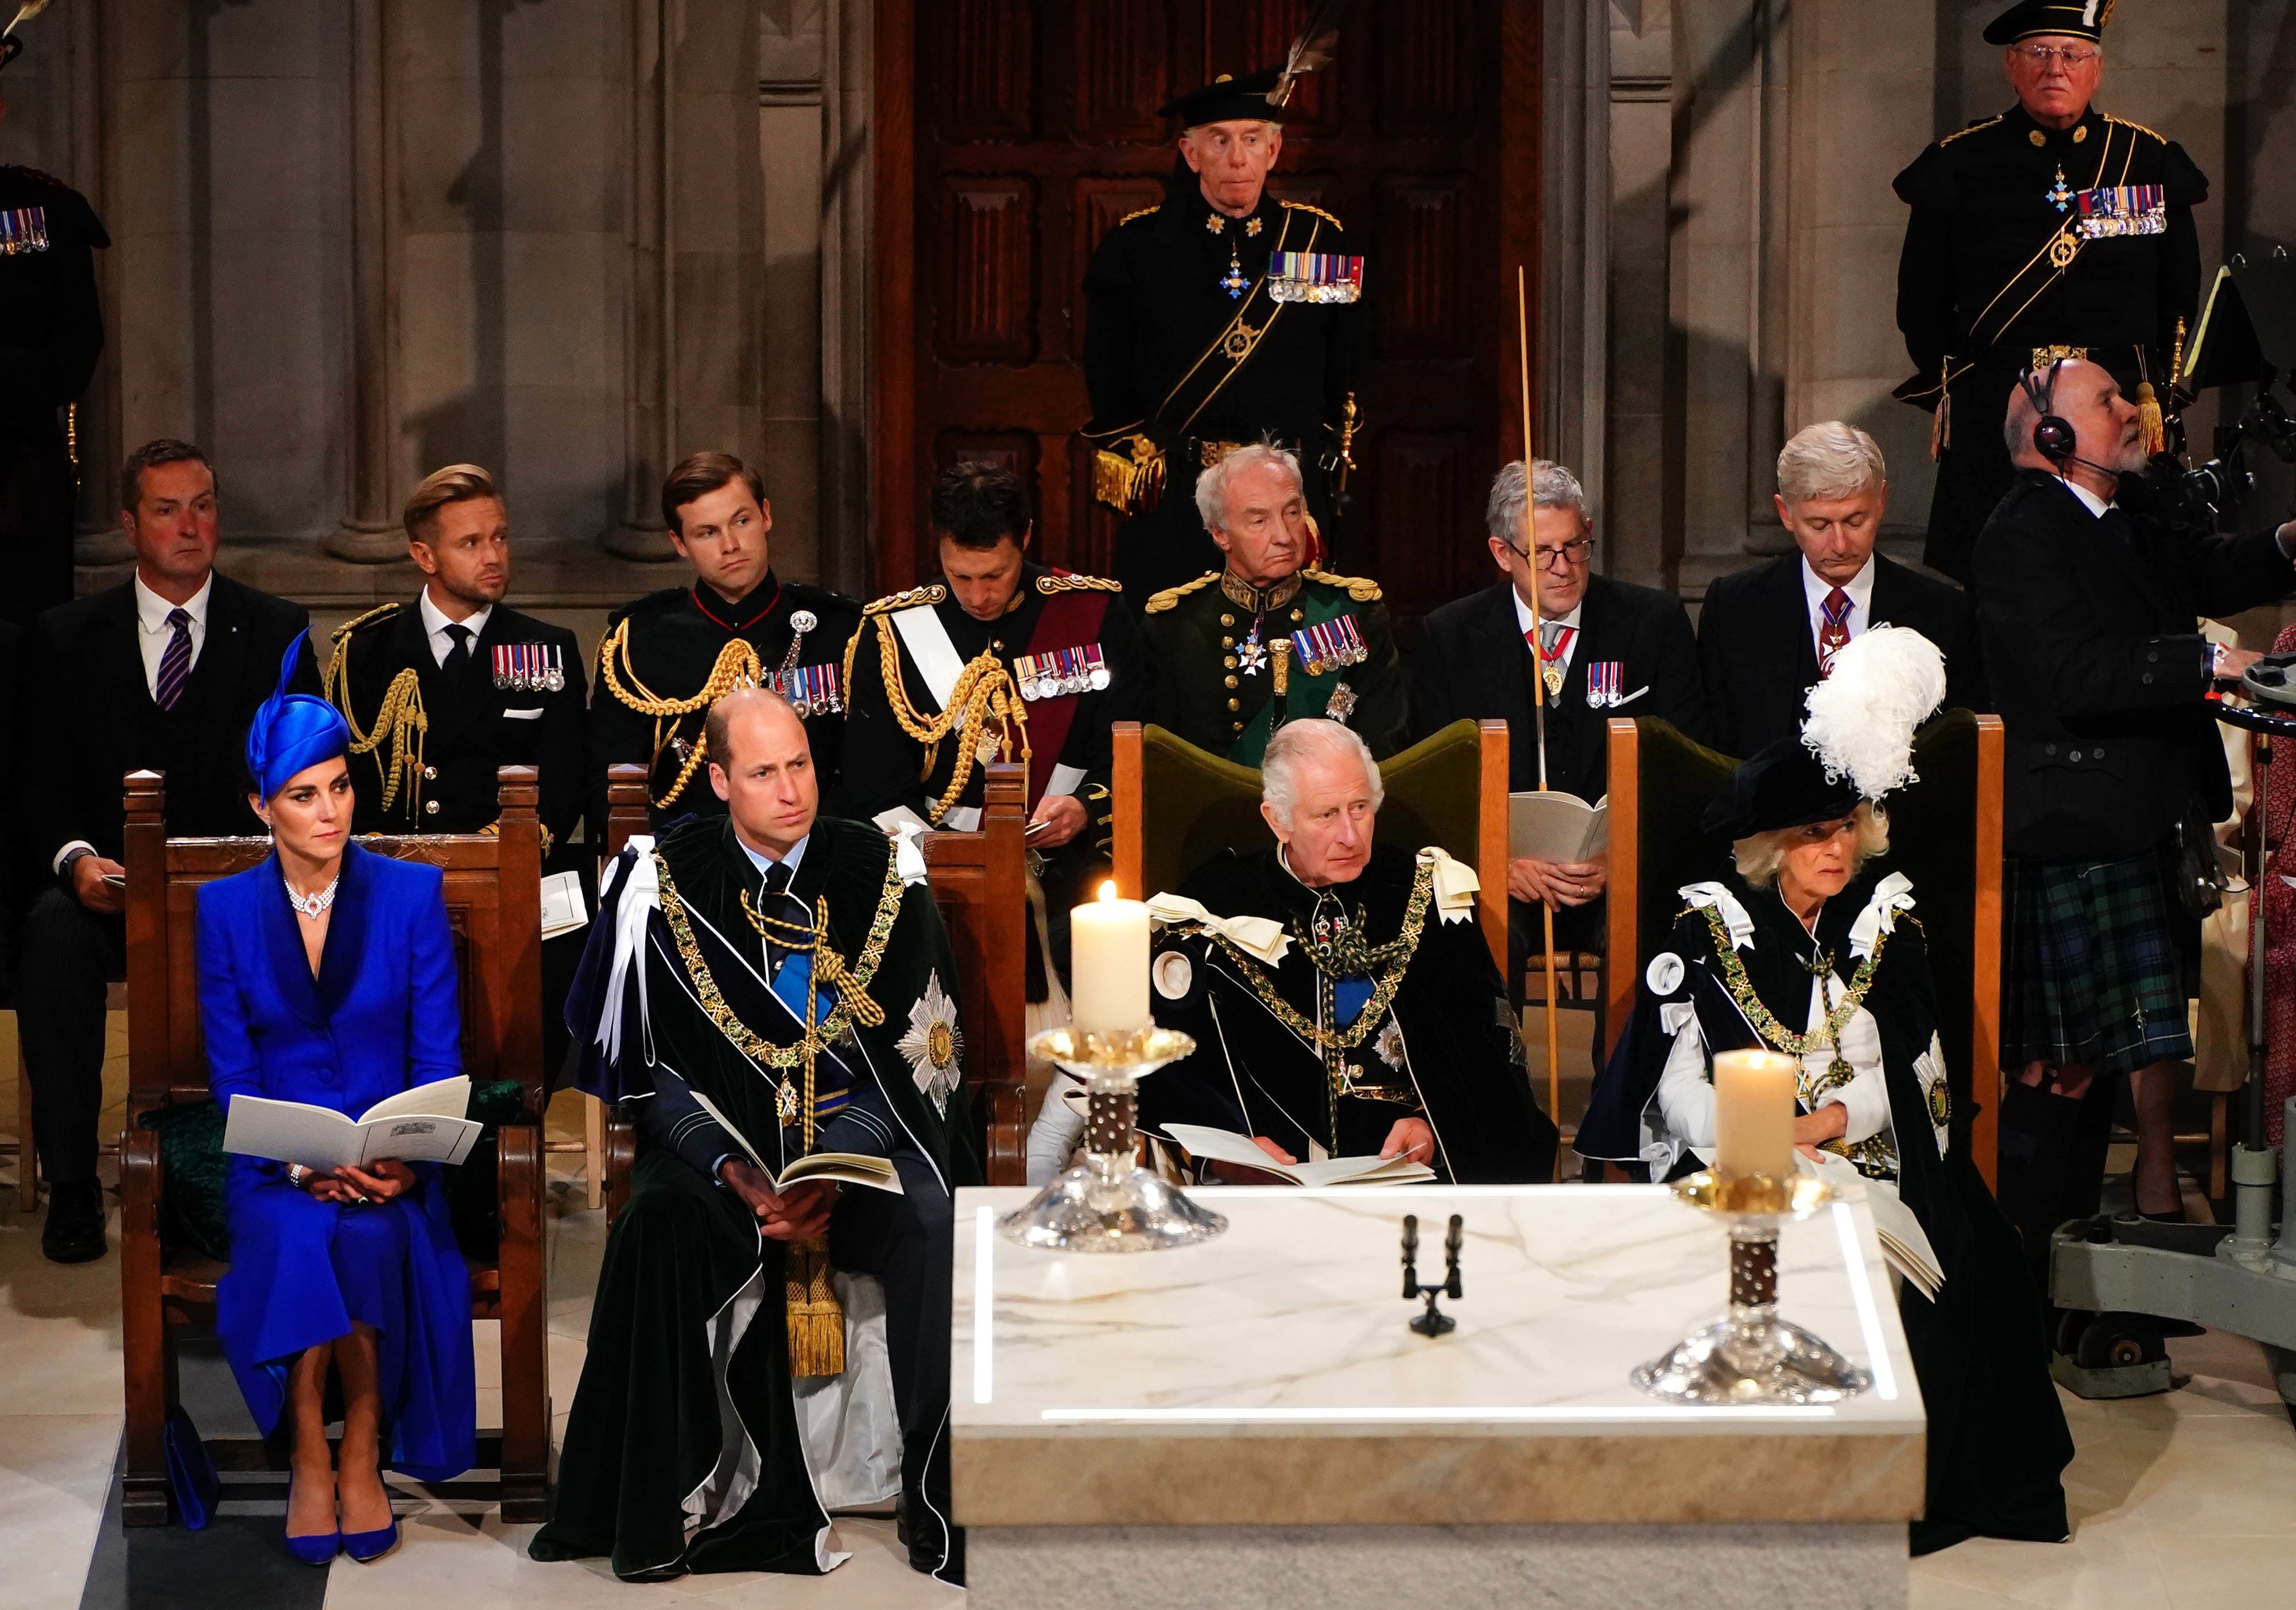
(1806, 943)
(1342, 995)
(327, 975)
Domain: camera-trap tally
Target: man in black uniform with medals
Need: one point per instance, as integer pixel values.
(440, 692)
(671, 655)
(1001, 656)
(1220, 318)
(1235, 654)
(50, 338)
(2052, 231)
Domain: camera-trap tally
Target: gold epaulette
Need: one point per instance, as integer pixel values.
(2139, 127)
(1171, 595)
(1361, 589)
(1972, 130)
(378, 612)
(1143, 213)
(932, 593)
(1319, 212)
(1049, 585)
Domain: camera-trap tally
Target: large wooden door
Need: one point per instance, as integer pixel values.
(1013, 134)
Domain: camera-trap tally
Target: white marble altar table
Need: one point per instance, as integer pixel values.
(1250, 1422)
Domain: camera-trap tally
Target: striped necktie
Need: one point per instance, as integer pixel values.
(176, 662)
(1834, 635)
(1552, 643)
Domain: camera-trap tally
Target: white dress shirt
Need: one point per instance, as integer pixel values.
(1815, 589)
(435, 623)
(152, 631)
(2089, 500)
(1569, 644)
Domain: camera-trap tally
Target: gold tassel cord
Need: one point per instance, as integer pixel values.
(737, 666)
(2149, 418)
(984, 693)
(816, 1319)
(400, 717)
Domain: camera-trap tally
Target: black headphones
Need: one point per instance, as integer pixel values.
(2053, 436)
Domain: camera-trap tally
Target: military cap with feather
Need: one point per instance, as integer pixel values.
(1262, 96)
(2029, 18)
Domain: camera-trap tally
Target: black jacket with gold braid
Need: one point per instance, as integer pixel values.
(498, 710)
(667, 657)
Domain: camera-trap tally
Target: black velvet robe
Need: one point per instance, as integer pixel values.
(1997, 1437)
(1450, 1032)
(655, 1419)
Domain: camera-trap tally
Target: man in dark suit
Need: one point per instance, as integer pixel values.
(443, 691)
(163, 673)
(1612, 647)
(2089, 604)
(1767, 635)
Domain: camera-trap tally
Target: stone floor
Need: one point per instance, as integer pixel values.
(2185, 1501)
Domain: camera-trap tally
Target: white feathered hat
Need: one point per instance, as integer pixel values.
(1885, 683)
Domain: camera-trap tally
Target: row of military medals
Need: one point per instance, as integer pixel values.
(812, 690)
(1061, 671)
(529, 668)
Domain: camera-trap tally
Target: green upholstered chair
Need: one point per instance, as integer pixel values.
(1176, 805)
(1945, 835)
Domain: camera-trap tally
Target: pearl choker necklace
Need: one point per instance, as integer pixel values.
(313, 905)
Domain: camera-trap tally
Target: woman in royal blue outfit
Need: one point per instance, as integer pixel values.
(327, 976)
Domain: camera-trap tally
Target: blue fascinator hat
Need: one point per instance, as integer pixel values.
(292, 731)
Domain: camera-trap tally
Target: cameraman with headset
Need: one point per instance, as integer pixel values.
(2089, 589)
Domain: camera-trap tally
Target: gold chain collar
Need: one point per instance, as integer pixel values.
(851, 1001)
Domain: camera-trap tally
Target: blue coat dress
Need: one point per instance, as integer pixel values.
(380, 1015)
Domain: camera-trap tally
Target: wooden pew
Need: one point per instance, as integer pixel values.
(493, 902)
(979, 882)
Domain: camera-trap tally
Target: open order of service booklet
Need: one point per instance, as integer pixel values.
(1559, 827)
(846, 1168)
(425, 1124)
(1905, 1245)
(1224, 1145)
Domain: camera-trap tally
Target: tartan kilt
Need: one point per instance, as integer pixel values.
(2101, 965)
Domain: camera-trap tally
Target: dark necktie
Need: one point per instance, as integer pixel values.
(458, 658)
(175, 661)
(775, 903)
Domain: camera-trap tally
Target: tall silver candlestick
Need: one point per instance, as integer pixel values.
(1750, 1355)
(1108, 1204)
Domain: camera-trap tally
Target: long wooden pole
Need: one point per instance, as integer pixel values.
(1538, 707)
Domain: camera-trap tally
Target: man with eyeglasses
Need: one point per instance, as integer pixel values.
(1222, 317)
(1605, 647)
(2052, 231)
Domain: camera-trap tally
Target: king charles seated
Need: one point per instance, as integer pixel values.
(1341, 997)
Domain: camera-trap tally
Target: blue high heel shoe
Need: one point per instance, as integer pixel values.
(320, 1547)
(368, 1547)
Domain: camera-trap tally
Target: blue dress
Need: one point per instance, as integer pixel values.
(380, 1015)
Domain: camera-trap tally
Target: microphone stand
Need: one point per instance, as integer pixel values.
(1538, 707)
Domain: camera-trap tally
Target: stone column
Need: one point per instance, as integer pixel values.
(791, 146)
(1642, 516)
(650, 318)
(370, 532)
(848, 554)
(1574, 279)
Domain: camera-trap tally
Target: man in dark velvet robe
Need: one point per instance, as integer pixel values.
(1381, 1026)
(685, 1450)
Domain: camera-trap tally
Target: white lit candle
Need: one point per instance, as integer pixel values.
(1754, 1096)
(1108, 952)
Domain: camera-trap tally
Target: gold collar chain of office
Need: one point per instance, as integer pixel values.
(737, 666)
(984, 693)
(1400, 950)
(817, 1038)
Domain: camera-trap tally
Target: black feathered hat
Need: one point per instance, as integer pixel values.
(1227, 99)
(2077, 18)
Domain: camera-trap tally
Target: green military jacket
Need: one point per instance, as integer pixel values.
(1212, 649)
